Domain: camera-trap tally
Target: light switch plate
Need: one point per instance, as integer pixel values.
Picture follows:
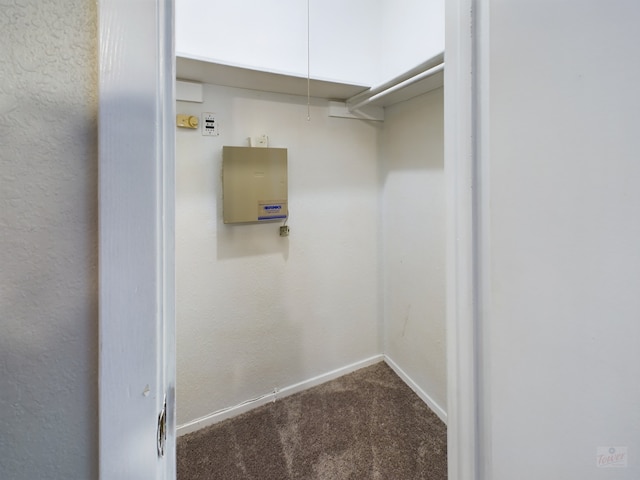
(210, 125)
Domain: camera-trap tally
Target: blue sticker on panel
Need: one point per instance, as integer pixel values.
(272, 211)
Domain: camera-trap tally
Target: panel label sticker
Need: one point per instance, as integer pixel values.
(272, 210)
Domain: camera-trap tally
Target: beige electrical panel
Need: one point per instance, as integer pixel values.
(254, 184)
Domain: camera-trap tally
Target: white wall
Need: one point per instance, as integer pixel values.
(48, 251)
(562, 336)
(412, 31)
(360, 41)
(272, 36)
(256, 311)
(413, 241)
(364, 42)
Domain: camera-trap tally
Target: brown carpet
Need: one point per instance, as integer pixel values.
(365, 425)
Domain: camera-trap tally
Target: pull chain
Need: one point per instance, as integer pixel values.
(308, 63)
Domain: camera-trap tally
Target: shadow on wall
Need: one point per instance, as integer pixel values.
(413, 135)
(248, 240)
(49, 287)
(244, 239)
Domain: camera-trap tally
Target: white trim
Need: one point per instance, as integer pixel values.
(482, 119)
(253, 403)
(248, 405)
(167, 107)
(136, 237)
(463, 267)
(424, 396)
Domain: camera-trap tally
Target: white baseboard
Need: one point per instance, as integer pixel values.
(248, 405)
(431, 403)
(243, 407)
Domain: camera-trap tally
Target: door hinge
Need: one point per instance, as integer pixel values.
(162, 428)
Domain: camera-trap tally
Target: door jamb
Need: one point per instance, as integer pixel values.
(136, 130)
(467, 253)
(463, 260)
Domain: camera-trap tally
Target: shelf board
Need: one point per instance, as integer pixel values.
(198, 70)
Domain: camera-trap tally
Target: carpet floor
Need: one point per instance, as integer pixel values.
(365, 425)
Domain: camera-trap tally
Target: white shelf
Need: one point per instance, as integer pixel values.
(208, 71)
(200, 70)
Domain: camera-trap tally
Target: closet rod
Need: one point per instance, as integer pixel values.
(425, 69)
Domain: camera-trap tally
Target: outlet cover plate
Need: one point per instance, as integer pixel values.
(210, 125)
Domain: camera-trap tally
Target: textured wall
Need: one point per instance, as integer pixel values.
(414, 241)
(48, 236)
(256, 311)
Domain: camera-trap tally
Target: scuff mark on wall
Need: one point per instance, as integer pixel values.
(406, 320)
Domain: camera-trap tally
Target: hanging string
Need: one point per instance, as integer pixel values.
(308, 63)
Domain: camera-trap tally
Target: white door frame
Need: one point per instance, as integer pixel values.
(137, 311)
(136, 250)
(466, 101)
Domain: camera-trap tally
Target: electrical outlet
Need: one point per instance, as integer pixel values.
(284, 231)
(210, 125)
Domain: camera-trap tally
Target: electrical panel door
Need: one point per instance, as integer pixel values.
(254, 184)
